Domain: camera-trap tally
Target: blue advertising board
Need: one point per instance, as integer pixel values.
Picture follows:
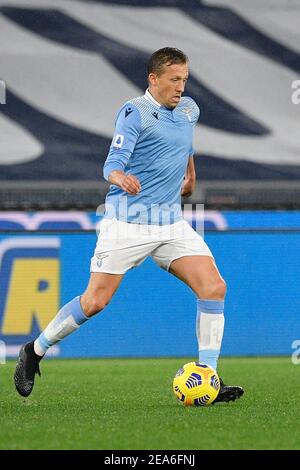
(212, 219)
(153, 313)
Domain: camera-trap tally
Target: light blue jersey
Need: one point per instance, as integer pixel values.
(153, 143)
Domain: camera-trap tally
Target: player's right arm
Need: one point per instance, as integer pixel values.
(128, 183)
(127, 131)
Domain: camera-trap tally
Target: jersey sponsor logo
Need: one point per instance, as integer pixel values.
(118, 142)
(29, 288)
(128, 111)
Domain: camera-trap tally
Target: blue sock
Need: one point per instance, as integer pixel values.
(68, 319)
(209, 330)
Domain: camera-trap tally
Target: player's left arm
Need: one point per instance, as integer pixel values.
(189, 181)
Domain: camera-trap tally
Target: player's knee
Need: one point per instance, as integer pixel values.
(216, 290)
(219, 289)
(95, 304)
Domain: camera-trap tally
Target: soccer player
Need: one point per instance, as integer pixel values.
(150, 166)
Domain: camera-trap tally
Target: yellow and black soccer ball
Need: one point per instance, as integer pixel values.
(196, 384)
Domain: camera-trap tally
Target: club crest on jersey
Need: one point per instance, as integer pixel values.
(187, 111)
(118, 141)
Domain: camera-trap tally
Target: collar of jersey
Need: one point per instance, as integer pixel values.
(150, 98)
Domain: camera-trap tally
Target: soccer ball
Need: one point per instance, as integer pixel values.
(196, 384)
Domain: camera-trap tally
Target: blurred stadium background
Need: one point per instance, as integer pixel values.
(67, 66)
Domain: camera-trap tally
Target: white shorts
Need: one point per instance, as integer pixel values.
(122, 246)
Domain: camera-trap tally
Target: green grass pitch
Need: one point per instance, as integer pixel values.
(129, 404)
